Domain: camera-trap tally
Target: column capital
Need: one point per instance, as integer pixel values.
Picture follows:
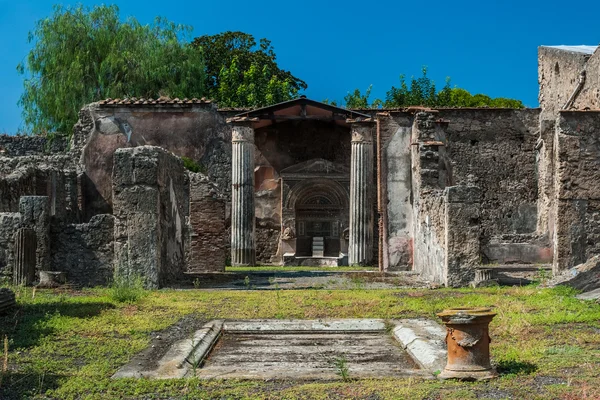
(361, 130)
(242, 131)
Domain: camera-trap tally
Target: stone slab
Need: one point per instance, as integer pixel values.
(424, 340)
(339, 325)
(591, 295)
(183, 356)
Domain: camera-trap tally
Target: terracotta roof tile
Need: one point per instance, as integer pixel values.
(133, 101)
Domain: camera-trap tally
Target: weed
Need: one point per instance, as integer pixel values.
(127, 290)
(542, 275)
(197, 283)
(340, 364)
(247, 282)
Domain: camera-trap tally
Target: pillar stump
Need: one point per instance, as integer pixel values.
(362, 186)
(25, 255)
(243, 250)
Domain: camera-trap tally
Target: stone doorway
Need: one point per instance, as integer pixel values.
(315, 213)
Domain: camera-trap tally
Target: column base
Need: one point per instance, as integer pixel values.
(243, 258)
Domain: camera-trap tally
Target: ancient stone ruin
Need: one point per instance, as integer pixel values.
(449, 193)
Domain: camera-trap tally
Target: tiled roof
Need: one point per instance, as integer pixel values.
(160, 101)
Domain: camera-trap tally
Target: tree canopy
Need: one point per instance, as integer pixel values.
(242, 73)
(81, 55)
(422, 91)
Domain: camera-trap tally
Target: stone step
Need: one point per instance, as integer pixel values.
(516, 267)
(510, 274)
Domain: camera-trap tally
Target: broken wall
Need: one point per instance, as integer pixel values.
(192, 129)
(577, 183)
(589, 96)
(85, 252)
(495, 150)
(427, 160)
(208, 237)
(18, 146)
(151, 207)
(558, 77)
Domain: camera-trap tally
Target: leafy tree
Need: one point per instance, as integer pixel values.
(422, 92)
(357, 100)
(257, 86)
(82, 55)
(240, 73)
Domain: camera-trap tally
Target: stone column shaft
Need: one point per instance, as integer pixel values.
(243, 250)
(25, 249)
(362, 186)
(35, 214)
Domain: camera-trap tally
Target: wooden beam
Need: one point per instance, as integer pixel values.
(273, 117)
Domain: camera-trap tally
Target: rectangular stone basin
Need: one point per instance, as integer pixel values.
(315, 355)
(301, 349)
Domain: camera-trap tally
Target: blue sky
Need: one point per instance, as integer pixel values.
(484, 46)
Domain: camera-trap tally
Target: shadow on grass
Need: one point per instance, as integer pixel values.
(22, 385)
(26, 325)
(513, 367)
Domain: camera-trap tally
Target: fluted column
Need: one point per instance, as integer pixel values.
(242, 194)
(24, 264)
(362, 186)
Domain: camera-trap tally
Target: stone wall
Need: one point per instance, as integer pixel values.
(396, 197)
(151, 207)
(208, 239)
(589, 96)
(558, 77)
(577, 184)
(495, 150)
(428, 160)
(462, 235)
(52, 176)
(85, 252)
(195, 131)
(18, 146)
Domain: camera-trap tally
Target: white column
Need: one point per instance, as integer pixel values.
(362, 186)
(243, 250)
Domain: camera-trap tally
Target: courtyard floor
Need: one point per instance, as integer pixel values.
(66, 344)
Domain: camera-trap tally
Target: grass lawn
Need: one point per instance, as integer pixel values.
(67, 344)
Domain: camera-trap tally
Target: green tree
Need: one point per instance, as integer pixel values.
(81, 55)
(358, 100)
(242, 73)
(422, 92)
(257, 86)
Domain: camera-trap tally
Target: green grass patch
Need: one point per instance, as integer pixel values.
(127, 289)
(67, 344)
